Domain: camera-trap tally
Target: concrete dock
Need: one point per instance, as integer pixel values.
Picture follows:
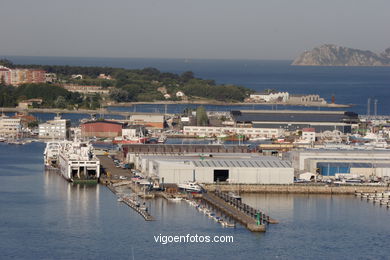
(112, 180)
(251, 218)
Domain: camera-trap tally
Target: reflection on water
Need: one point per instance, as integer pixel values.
(80, 200)
(281, 205)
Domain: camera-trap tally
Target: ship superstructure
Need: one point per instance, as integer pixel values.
(75, 160)
(50, 154)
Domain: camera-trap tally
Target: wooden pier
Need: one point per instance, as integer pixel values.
(143, 212)
(380, 198)
(251, 218)
(112, 181)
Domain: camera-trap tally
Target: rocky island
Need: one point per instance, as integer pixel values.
(333, 55)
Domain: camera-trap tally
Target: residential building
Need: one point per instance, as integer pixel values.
(55, 129)
(5, 75)
(10, 127)
(20, 76)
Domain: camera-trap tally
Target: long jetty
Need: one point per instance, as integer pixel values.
(251, 218)
(113, 181)
(143, 212)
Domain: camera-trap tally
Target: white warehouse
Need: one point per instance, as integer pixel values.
(216, 131)
(231, 168)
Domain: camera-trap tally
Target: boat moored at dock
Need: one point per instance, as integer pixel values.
(50, 154)
(75, 160)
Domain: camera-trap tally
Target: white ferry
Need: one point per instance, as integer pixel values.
(75, 160)
(50, 154)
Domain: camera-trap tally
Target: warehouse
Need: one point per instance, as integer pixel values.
(293, 120)
(230, 168)
(380, 170)
(329, 162)
(152, 120)
(101, 129)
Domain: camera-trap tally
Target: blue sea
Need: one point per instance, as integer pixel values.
(349, 85)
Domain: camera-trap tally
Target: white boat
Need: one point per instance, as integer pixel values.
(77, 162)
(234, 195)
(190, 186)
(162, 139)
(177, 199)
(50, 155)
(258, 138)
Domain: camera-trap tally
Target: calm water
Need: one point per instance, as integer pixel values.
(350, 85)
(44, 217)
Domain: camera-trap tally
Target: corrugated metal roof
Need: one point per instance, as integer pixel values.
(345, 165)
(242, 164)
(293, 116)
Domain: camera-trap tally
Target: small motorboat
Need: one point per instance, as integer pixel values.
(190, 186)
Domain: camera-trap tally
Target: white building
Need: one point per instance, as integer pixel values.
(268, 97)
(55, 129)
(230, 168)
(180, 94)
(10, 126)
(309, 135)
(248, 132)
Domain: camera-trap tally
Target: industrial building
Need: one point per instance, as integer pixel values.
(152, 120)
(228, 168)
(218, 131)
(329, 162)
(101, 129)
(292, 120)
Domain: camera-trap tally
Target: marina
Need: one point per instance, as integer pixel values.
(379, 198)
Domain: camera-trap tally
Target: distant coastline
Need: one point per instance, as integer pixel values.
(220, 103)
(333, 55)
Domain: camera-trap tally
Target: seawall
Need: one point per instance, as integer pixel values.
(296, 188)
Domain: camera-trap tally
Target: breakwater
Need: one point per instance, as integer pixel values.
(296, 188)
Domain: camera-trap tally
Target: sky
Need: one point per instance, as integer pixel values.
(214, 29)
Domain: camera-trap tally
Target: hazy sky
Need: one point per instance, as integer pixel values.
(254, 29)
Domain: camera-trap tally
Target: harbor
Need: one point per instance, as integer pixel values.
(151, 156)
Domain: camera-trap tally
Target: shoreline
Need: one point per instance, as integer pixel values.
(221, 103)
(296, 188)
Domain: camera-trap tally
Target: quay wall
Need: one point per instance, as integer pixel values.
(294, 188)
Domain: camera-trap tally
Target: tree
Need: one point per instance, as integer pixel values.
(201, 116)
(60, 102)
(187, 76)
(119, 95)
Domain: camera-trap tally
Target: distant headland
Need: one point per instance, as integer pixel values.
(333, 55)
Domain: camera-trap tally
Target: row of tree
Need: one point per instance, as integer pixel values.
(52, 96)
(143, 84)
